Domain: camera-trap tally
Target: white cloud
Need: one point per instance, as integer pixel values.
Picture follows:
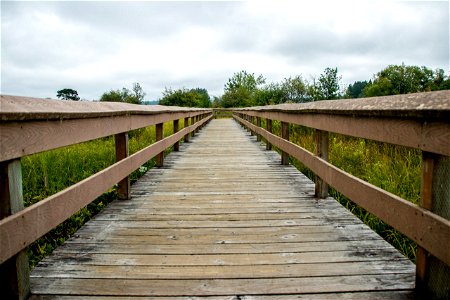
(96, 46)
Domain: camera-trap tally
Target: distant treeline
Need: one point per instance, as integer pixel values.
(247, 89)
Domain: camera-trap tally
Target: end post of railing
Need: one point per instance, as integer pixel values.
(433, 275)
(284, 135)
(121, 141)
(322, 140)
(14, 273)
(160, 136)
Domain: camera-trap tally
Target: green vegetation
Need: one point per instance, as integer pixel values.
(188, 98)
(68, 94)
(47, 173)
(135, 96)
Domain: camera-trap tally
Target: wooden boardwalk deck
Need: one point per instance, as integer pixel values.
(224, 219)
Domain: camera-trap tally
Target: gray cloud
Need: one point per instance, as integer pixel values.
(97, 46)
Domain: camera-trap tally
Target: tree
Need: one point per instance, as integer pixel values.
(402, 79)
(241, 89)
(197, 97)
(328, 85)
(67, 94)
(355, 90)
(136, 96)
(295, 90)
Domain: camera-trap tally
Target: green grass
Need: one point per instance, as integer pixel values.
(393, 168)
(47, 173)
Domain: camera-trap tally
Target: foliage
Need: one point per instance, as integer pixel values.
(402, 79)
(241, 89)
(328, 85)
(197, 97)
(135, 96)
(356, 89)
(68, 94)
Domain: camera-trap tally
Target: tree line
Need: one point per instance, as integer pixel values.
(247, 89)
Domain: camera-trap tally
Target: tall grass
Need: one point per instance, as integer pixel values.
(47, 173)
(393, 168)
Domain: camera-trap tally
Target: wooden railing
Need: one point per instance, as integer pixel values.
(416, 120)
(30, 126)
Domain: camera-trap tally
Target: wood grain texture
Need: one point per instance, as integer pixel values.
(427, 229)
(223, 222)
(24, 227)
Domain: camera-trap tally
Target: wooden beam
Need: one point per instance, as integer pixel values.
(427, 135)
(159, 137)
(176, 128)
(14, 273)
(121, 141)
(422, 226)
(186, 124)
(321, 137)
(258, 123)
(269, 129)
(193, 121)
(285, 136)
(24, 138)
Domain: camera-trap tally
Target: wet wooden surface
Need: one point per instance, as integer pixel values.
(223, 219)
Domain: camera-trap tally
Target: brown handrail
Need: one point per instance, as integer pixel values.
(420, 121)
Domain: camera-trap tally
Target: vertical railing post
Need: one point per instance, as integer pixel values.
(197, 119)
(269, 129)
(192, 123)
(252, 133)
(186, 124)
(14, 273)
(176, 128)
(321, 137)
(433, 275)
(121, 141)
(284, 135)
(160, 136)
(258, 123)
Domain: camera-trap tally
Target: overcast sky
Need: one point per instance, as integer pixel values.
(94, 47)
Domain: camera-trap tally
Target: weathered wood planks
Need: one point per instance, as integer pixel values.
(224, 220)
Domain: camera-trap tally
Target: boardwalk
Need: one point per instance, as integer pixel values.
(224, 219)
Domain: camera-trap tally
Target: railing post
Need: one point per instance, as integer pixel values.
(186, 124)
(269, 129)
(192, 123)
(252, 118)
(197, 119)
(121, 141)
(258, 123)
(284, 135)
(321, 190)
(14, 273)
(160, 136)
(433, 275)
(176, 128)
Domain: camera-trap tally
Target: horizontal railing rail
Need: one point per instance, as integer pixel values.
(29, 126)
(420, 121)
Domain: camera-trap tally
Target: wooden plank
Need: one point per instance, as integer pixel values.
(215, 287)
(425, 228)
(159, 137)
(20, 230)
(322, 139)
